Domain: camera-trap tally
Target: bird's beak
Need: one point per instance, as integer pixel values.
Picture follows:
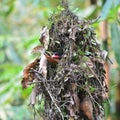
(56, 56)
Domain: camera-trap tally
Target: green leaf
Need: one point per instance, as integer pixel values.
(106, 8)
(5, 98)
(12, 53)
(9, 71)
(86, 82)
(8, 112)
(60, 8)
(116, 3)
(115, 35)
(29, 42)
(92, 89)
(5, 88)
(113, 13)
(110, 9)
(90, 76)
(9, 10)
(2, 55)
(85, 12)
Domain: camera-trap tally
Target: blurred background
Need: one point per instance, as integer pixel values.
(20, 25)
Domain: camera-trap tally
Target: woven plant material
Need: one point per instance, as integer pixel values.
(73, 86)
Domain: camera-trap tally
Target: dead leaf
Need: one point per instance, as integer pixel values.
(43, 66)
(72, 32)
(38, 49)
(75, 97)
(67, 95)
(28, 76)
(89, 63)
(87, 108)
(77, 103)
(104, 54)
(33, 95)
(71, 118)
(73, 86)
(71, 110)
(45, 37)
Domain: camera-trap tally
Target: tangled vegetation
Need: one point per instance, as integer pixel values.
(73, 84)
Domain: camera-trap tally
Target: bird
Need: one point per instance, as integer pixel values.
(56, 55)
(55, 58)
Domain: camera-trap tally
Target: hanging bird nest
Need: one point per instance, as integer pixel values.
(69, 74)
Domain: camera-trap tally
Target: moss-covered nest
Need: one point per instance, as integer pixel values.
(74, 87)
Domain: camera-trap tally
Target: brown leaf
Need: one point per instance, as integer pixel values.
(76, 98)
(43, 66)
(87, 108)
(71, 110)
(33, 95)
(71, 118)
(67, 95)
(104, 54)
(28, 76)
(77, 102)
(90, 64)
(38, 49)
(73, 86)
(72, 32)
(105, 95)
(45, 37)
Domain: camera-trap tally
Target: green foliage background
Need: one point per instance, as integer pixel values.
(20, 25)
